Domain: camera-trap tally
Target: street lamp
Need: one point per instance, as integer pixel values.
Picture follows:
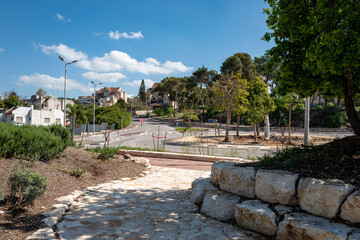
(65, 86)
(95, 84)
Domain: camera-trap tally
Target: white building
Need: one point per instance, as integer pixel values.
(86, 100)
(29, 115)
(108, 96)
(48, 102)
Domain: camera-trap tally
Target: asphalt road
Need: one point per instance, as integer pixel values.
(141, 135)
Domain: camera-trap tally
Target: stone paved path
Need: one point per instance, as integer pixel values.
(156, 206)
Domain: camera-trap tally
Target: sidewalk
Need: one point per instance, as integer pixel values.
(156, 206)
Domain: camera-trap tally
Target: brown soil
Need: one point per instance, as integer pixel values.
(249, 140)
(339, 159)
(24, 222)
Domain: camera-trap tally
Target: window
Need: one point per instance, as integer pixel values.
(19, 119)
(12, 118)
(47, 120)
(58, 121)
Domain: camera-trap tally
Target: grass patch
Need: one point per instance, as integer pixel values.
(108, 152)
(183, 129)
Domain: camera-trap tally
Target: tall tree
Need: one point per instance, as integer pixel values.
(317, 44)
(229, 90)
(41, 92)
(142, 92)
(11, 101)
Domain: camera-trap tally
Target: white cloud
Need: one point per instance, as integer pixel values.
(148, 83)
(110, 77)
(98, 33)
(133, 35)
(48, 82)
(69, 54)
(115, 61)
(62, 18)
(2, 50)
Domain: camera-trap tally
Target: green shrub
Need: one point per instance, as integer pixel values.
(31, 142)
(169, 111)
(338, 119)
(1, 195)
(77, 172)
(26, 186)
(158, 112)
(62, 132)
(106, 153)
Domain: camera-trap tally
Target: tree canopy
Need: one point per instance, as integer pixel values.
(142, 91)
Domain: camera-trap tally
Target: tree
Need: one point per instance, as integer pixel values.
(260, 102)
(11, 101)
(41, 92)
(142, 93)
(317, 44)
(229, 91)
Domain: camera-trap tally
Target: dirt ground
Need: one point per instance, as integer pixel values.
(249, 140)
(23, 223)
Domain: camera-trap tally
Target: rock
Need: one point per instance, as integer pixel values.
(44, 233)
(355, 234)
(322, 197)
(199, 192)
(143, 161)
(219, 205)
(199, 180)
(282, 210)
(299, 226)
(216, 170)
(127, 156)
(276, 186)
(256, 216)
(238, 180)
(350, 210)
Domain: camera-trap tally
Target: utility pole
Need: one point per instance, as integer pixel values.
(62, 59)
(176, 99)
(94, 84)
(307, 121)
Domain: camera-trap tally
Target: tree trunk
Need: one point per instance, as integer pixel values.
(237, 124)
(257, 129)
(228, 120)
(255, 136)
(349, 104)
(290, 123)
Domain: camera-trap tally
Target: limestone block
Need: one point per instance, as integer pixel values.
(299, 226)
(350, 210)
(238, 180)
(216, 170)
(256, 216)
(199, 192)
(322, 197)
(355, 234)
(142, 161)
(276, 186)
(219, 205)
(44, 233)
(199, 180)
(282, 210)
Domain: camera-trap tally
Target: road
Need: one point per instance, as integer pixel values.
(141, 135)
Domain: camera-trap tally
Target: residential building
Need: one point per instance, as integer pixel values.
(86, 100)
(155, 99)
(108, 96)
(48, 102)
(29, 115)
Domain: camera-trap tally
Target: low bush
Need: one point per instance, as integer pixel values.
(106, 153)
(158, 112)
(31, 142)
(169, 111)
(77, 172)
(25, 186)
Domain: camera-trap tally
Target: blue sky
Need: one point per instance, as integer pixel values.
(121, 42)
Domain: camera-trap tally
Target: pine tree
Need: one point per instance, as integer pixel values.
(142, 94)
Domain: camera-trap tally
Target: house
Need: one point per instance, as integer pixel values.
(86, 100)
(155, 99)
(29, 115)
(48, 102)
(108, 96)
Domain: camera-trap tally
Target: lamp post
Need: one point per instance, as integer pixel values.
(65, 86)
(94, 84)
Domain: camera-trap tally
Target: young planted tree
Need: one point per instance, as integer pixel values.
(317, 44)
(230, 91)
(260, 102)
(142, 92)
(41, 92)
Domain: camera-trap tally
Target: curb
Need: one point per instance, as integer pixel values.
(53, 217)
(179, 156)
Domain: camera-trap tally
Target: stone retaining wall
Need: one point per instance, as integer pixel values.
(279, 203)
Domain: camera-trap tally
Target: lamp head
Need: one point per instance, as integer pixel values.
(61, 58)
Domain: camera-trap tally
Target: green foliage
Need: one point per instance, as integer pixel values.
(77, 172)
(113, 115)
(26, 186)
(169, 111)
(189, 117)
(106, 153)
(11, 101)
(338, 119)
(121, 104)
(142, 93)
(2, 105)
(31, 142)
(63, 133)
(158, 112)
